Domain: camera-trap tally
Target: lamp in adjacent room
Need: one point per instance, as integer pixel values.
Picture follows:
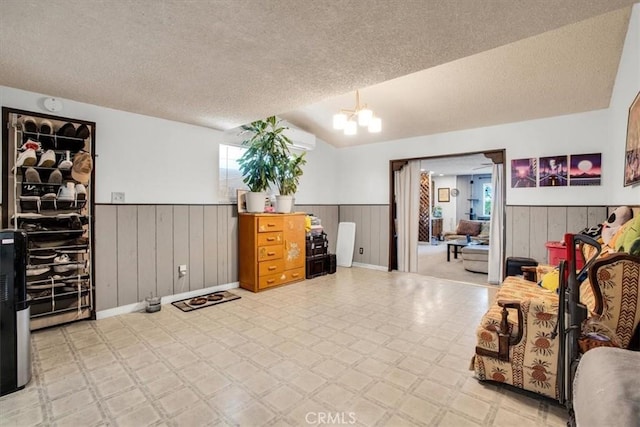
(349, 120)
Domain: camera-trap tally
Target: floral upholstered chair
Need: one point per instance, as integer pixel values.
(516, 343)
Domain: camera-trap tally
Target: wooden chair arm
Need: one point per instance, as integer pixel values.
(504, 338)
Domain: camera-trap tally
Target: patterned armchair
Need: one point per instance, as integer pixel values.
(516, 343)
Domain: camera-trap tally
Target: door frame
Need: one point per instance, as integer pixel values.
(497, 156)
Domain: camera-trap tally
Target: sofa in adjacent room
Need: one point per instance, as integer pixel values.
(478, 231)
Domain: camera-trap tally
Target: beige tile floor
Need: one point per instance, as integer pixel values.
(360, 346)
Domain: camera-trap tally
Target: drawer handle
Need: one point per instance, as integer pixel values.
(271, 253)
(295, 274)
(272, 267)
(271, 224)
(270, 239)
(270, 281)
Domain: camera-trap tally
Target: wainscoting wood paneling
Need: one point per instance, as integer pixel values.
(164, 250)
(372, 232)
(106, 260)
(530, 227)
(196, 247)
(138, 249)
(127, 254)
(147, 251)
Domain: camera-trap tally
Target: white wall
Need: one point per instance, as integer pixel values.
(154, 160)
(448, 208)
(364, 171)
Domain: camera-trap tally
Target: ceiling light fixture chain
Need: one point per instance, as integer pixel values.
(348, 120)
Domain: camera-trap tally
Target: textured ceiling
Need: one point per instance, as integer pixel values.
(224, 63)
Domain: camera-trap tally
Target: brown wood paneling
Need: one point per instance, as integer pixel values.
(146, 235)
(538, 232)
(210, 245)
(106, 253)
(576, 218)
(376, 237)
(180, 247)
(232, 235)
(223, 245)
(557, 223)
(164, 250)
(127, 254)
(196, 247)
(521, 229)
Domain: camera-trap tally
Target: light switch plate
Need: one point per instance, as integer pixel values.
(117, 197)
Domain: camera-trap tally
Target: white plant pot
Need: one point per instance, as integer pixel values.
(284, 204)
(256, 201)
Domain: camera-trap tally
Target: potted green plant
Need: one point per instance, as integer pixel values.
(288, 173)
(266, 146)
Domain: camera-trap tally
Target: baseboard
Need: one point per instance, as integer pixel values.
(139, 306)
(370, 266)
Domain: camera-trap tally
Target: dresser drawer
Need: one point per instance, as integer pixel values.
(269, 252)
(274, 238)
(270, 223)
(293, 275)
(266, 268)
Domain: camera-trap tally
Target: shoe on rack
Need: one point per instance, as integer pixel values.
(83, 132)
(65, 163)
(30, 143)
(46, 127)
(31, 190)
(47, 159)
(31, 175)
(67, 130)
(29, 124)
(44, 258)
(27, 158)
(81, 192)
(67, 192)
(37, 271)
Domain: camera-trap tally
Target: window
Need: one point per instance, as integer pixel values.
(230, 179)
(487, 197)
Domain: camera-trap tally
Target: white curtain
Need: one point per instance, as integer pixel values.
(407, 196)
(496, 237)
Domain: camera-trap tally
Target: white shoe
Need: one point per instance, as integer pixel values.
(27, 158)
(67, 192)
(65, 164)
(48, 159)
(81, 192)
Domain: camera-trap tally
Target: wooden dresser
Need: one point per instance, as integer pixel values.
(271, 249)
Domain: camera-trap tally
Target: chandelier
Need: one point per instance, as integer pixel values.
(348, 120)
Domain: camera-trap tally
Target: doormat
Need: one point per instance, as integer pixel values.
(206, 300)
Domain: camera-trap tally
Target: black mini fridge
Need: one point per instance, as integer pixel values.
(15, 335)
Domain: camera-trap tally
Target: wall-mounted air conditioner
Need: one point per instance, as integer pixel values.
(301, 140)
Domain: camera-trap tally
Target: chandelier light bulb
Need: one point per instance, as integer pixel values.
(351, 128)
(375, 125)
(339, 121)
(364, 117)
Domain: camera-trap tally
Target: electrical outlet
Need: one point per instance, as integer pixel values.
(182, 270)
(117, 197)
(361, 251)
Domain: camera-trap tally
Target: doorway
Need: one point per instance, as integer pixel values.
(459, 187)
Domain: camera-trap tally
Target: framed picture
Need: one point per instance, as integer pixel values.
(524, 173)
(632, 149)
(553, 171)
(242, 201)
(443, 194)
(586, 169)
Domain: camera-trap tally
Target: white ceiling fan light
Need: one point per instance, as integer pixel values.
(348, 120)
(364, 117)
(351, 128)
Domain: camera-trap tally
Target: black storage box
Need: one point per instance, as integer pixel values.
(317, 266)
(332, 263)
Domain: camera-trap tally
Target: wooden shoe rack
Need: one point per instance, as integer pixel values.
(60, 283)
